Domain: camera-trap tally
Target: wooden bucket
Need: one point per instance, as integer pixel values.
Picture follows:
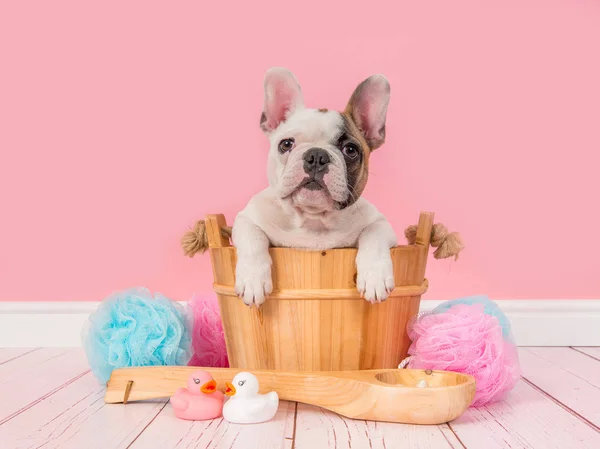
(315, 319)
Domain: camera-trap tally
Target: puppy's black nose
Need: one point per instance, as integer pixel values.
(316, 160)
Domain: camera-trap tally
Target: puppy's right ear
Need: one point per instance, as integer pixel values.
(282, 98)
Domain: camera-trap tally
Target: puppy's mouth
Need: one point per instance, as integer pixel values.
(311, 196)
(311, 183)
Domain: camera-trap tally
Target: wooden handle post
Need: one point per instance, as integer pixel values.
(424, 229)
(214, 224)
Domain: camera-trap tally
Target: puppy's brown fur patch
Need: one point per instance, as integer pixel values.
(357, 173)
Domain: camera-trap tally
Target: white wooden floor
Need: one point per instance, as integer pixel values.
(49, 399)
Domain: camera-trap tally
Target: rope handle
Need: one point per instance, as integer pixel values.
(196, 240)
(448, 244)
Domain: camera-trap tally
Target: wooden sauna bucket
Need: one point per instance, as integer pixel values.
(315, 319)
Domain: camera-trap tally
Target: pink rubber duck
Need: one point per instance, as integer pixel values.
(200, 400)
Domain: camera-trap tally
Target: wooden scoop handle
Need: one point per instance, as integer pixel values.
(378, 395)
(162, 381)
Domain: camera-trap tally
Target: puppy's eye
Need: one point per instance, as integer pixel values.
(350, 151)
(286, 145)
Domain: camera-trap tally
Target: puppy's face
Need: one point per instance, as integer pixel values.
(319, 159)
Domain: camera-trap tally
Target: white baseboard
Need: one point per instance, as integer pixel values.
(535, 322)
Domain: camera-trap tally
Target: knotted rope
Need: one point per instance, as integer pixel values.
(448, 244)
(196, 241)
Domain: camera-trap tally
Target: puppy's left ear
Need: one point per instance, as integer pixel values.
(368, 108)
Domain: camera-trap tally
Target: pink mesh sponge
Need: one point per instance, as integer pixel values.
(471, 336)
(208, 340)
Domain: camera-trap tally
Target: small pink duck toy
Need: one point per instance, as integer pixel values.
(200, 400)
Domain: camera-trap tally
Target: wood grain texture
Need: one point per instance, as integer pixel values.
(320, 428)
(290, 425)
(379, 395)
(25, 379)
(567, 375)
(424, 228)
(76, 417)
(315, 319)
(9, 354)
(214, 224)
(331, 293)
(73, 415)
(593, 352)
(526, 419)
(166, 431)
(422, 241)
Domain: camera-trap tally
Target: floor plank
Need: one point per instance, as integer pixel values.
(26, 379)
(592, 351)
(290, 426)
(76, 417)
(166, 431)
(569, 376)
(527, 418)
(50, 400)
(320, 428)
(9, 354)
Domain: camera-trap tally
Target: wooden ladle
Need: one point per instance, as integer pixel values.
(390, 395)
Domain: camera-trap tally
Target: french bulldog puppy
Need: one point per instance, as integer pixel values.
(318, 166)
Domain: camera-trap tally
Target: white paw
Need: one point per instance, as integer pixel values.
(253, 281)
(375, 279)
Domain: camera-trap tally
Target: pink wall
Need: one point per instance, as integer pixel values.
(123, 122)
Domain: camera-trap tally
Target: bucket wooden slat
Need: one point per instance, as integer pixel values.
(214, 224)
(422, 242)
(328, 293)
(315, 320)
